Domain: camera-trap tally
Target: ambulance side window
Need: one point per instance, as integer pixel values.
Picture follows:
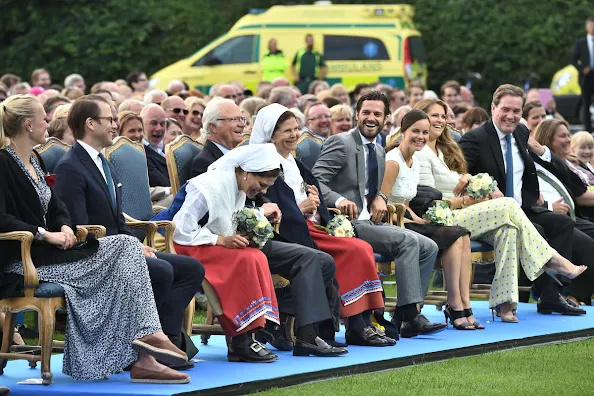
(341, 48)
(236, 50)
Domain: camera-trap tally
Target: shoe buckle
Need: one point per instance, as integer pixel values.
(256, 347)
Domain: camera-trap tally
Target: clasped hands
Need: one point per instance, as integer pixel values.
(311, 203)
(378, 211)
(65, 239)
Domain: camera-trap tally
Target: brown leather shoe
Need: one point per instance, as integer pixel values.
(163, 351)
(165, 376)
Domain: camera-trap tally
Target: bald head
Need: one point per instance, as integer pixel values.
(281, 82)
(227, 91)
(175, 107)
(153, 119)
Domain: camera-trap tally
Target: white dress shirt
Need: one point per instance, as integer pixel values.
(187, 231)
(294, 180)
(94, 154)
(364, 215)
(590, 41)
(223, 149)
(160, 149)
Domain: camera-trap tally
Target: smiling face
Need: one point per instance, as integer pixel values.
(561, 142)
(285, 137)
(171, 133)
(416, 136)
(371, 118)
(228, 131)
(584, 152)
(133, 130)
(175, 107)
(535, 117)
(437, 121)
(319, 120)
(507, 115)
(37, 126)
(341, 123)
(194, 117)
(102, 128)
(154, 125)
(253, 185)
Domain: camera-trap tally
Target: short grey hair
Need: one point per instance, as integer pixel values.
(174, 83)
(125, 105)
(212, 92)
(283, 95)
(73, 78)
(212, 111)
(148, 97)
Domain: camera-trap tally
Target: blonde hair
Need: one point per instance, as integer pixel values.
(13, 112)
(192, 101)
(337, 89)
(340, 110)
(62, 111)
(126, 116)
(582, 138)
(508, 89)
(452, 154)
(251, 104)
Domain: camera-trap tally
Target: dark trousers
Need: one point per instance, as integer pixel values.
(309, 271)
(587, 92)
(175, 279)
(582, 287)
(557, 229)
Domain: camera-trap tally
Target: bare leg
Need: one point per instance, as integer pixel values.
(451, 259)
(465, 272)
(16, 338)
(506, 313)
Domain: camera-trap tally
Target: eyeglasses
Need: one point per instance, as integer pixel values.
(320, 117)
(178, 110)
(196, 113)
(243, 120)
(111, 119)
(231, 96)
(154, 123)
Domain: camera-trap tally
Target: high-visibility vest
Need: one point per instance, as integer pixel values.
(274, 66)
(300, 54)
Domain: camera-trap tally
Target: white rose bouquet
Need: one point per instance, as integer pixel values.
(252, 224)
(480, 185)
(339, 226)
(440, 214)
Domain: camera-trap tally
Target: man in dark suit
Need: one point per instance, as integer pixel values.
(153, 120)
(500, 148)
(86, 183)
(583, 61)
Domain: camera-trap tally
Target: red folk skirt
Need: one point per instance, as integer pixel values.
(358, 284)
(241, 278)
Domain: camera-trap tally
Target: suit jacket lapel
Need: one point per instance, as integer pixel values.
(360, 163)
(496, 147)
(88, 163)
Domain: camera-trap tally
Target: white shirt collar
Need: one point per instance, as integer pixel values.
(365, 140)
(223, 149)
(590, 37)
(499, 133)
(94, 154)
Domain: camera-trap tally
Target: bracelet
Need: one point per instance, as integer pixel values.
(463, 201)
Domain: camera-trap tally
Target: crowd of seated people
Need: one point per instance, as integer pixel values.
(380, 147)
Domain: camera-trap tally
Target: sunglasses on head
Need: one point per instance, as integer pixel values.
(178, 110)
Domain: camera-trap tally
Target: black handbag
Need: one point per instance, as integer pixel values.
(424, 199)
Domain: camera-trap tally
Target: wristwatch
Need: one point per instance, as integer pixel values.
(40, 232)
(384, 197)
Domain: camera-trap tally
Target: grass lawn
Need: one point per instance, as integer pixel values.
(562, 369)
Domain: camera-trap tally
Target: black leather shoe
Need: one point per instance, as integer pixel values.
(250, 353)
(391, 341)
(367, 337)
(334, 343)
(558, 304)
(4, 391)
(274, 336)
(320, 348)
(420, 326)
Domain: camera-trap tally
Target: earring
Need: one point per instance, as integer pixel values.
(245, 178)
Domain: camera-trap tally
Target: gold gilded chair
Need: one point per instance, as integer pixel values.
(179, 155)
(43, 297)
(51, 152)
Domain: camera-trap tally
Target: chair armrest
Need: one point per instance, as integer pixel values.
(149, 226)
(158, 209)
(81, 234)
(399, 210)
(276, 227)
(98, 231)
(336, 212)
(31, 280)
(169, 228)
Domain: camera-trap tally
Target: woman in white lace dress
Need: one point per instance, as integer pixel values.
(400, 185)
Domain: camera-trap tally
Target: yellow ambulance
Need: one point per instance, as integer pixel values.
(360, 44)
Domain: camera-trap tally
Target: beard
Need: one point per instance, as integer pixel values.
(369, 133)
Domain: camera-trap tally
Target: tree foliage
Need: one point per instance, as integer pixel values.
(504, 41)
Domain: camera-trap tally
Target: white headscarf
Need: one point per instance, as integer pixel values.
(250, 158)
(265, 122)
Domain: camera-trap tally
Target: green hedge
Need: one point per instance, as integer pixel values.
(104, 40)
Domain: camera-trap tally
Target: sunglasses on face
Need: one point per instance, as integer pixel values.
(196, 113)
(178, 110)
(230, 96)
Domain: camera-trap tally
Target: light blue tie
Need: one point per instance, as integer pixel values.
(509, 173)
(109, 179)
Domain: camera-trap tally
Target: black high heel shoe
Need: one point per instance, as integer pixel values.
(468, 313)
(453, 315)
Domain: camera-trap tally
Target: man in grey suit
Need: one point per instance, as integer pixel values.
(350, 170)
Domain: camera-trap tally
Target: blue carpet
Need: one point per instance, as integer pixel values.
(214, 371)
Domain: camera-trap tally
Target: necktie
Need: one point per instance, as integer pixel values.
(372, 170)
(509, 173)
(560, 190)
(109, 180)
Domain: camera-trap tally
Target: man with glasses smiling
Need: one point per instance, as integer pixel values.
(175, 107)
(318, 121)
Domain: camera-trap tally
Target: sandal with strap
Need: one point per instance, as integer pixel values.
(468, 313)
(453, 315)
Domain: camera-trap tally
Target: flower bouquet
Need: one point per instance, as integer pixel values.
(252, 224)
(339, 226)
(440, 214)
(480, 185)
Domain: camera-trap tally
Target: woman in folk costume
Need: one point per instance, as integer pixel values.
(239, 274)
(297, 195)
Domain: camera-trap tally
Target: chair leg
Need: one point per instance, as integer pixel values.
(47, 322)
(189, 317)
(7, 336)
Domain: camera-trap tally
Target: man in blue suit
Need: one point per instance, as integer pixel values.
(87, 185)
